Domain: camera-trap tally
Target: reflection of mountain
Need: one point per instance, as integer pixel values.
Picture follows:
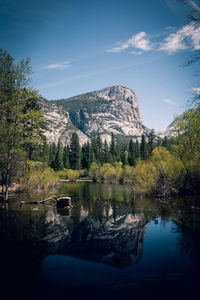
(114, 241)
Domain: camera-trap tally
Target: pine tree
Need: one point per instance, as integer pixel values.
(75, 152)
(165, 142)
(151, 141)
(99, 146)
(131, 153)
(113, 148)
(58, 162)
(143, 148)
(66, 163)
(137, 150)
(52, 154)
(107, 158)
(125, 158)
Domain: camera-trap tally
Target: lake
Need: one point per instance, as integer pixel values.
(110, 245)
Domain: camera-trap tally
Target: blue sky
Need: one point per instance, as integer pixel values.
(77, 46)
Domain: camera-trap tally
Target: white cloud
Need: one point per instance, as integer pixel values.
(139, 41)
(169, 101)
(196, 90)
(186, 37)
(58, 66)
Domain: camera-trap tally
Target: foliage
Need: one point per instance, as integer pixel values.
(188, 148)
(75, 152)
(128, 174)
(21, 121)
(111, 174)
(72, 175)
(37, 180)
(160, 175)
(94, 172)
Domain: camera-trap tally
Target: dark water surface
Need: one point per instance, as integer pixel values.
(108, 246)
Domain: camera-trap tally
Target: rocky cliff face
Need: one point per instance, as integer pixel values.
(113, 109)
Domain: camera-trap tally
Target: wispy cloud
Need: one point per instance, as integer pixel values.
(138, 41)
(136, 52)
(59, 66)
(186, 37)
(169, 101)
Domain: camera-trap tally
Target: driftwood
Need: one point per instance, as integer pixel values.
(62, 202)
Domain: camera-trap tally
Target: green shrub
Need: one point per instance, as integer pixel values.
(161, 175)
(72, 175)
(37, 180)
(94, 172)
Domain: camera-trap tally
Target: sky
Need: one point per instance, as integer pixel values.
(78, 46)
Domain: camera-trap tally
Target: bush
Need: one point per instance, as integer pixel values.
(39, 180)
(161, 176)
(72, 175)
(128, 174)
(111, 174)
(94, 172)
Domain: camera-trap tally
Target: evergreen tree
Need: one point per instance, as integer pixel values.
(58, 162)
(66, 163)
(125, 158)
(118, 153)
(99, 144)
(137, 150)
(75, 152)
(86, 156)
(151, 141)
(143, 148)
(131, 153)
(52, 154)
(113, 148)
(165, 142)
(107, 158)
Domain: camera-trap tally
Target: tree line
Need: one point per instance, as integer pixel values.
(75, 157)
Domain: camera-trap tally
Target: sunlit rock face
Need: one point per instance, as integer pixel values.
(114, 109)
(113, 240)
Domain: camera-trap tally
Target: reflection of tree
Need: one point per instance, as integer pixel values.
(188, 227)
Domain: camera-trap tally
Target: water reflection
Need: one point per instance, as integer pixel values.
(106, 225)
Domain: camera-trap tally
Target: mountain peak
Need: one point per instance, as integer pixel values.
(113, 109)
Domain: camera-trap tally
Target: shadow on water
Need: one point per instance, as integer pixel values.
(108, 245)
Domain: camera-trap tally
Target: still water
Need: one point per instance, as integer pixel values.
(110, 245)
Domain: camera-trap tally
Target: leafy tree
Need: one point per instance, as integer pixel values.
(188, 148)
(21, 120)
(94, 172)
(75, 152)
